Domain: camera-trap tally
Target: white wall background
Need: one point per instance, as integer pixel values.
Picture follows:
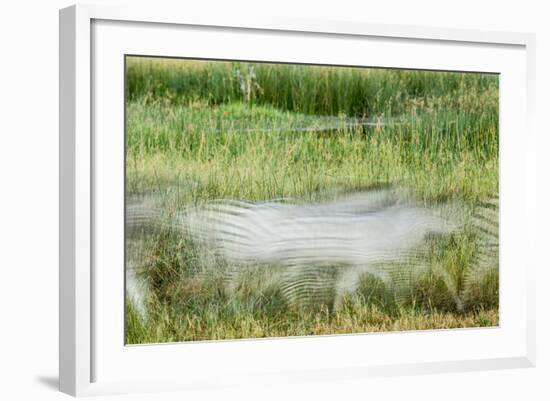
(29, 186)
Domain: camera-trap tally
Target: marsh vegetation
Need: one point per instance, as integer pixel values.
(199, 132)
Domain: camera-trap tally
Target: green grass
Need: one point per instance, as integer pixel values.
(312, 89)
(231, 324)
(198, 131)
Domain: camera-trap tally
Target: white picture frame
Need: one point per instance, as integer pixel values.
(93, 360)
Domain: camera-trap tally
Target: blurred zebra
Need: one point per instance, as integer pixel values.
(355, 234)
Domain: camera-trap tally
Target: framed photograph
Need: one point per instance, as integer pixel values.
(279, 200)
